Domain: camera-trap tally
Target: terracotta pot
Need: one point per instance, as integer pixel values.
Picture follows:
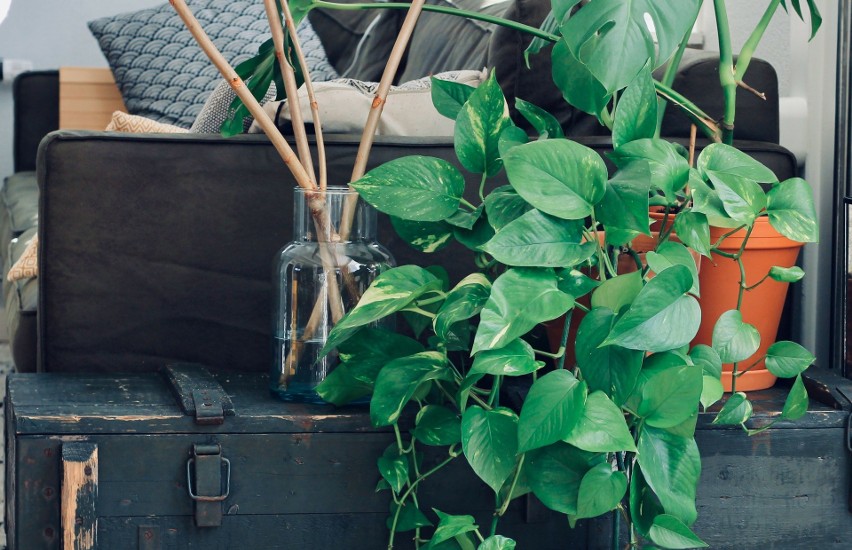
(762, 306)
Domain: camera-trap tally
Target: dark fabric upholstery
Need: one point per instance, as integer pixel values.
(158, 249)
(36, 98)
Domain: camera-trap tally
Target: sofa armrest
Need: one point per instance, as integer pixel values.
(35, 97)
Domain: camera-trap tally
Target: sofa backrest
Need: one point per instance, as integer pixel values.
(35, 97)
(156, 249)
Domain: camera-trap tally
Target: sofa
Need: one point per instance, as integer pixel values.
(157, 248)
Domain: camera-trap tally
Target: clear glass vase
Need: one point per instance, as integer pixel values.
(321, 274)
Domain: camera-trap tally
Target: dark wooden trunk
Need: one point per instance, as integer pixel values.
(301, 476)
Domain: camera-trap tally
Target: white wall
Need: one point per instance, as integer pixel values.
(51, 33)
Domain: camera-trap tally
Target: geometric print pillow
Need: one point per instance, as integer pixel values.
(161, 72)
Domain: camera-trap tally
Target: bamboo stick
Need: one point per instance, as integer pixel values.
(290, 87)
(309, 88)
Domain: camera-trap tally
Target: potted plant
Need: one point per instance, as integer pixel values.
(615, 431)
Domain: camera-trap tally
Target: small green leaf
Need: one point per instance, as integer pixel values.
(662, 317)
(497, 542)
(602, 427)
(670, 532)
(410, 517)
(465, 218)
(575, 283)
(478, 127)
(520, 299)
(708, 359)
(473, 239)
(712, 390)
(557, 176)
(341, 386)
(449, 96)
(693, 229)
(671, 396)
(490, 443)
(394, 468)
(734, 339)
(464, 301)
(503, 206)
(636, 116)
(671, 465)
(398, 381)
(669, 170)
(644, 504)
(625, 203)
(786, 274)
(511, 137)
(791, 210)
(555, 473)
(415, 187)
(736, 178)
(424, 236)
(449, 527)
(670, 253)
(618, 292)
(553, 407)
(600, 491)
(538, 240)
(514, 359)
(611, 369)
(796, 404)
(544, 123)
(788, 359)
(736, 410)
(437, 425)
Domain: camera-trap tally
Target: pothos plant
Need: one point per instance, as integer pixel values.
(615, 431)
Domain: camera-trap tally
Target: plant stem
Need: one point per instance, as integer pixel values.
(289, 77)
(517, 476)
(726, 71)
(701, 119)
(748, 49)
(669, 76)
(563, 342)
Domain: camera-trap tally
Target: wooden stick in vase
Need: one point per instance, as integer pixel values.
(376, 108)
(309, 87)
(290, 87)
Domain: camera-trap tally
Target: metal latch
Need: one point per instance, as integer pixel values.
(209, 467)
(199, 394)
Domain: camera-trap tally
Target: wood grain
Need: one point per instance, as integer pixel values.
(87, 98)
(79, 495)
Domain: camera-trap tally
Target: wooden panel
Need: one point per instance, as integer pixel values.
(87, 98)
(79, 495)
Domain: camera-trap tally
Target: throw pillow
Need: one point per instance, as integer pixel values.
(27, 265)
(133, 124)
(160, 70)
(345, 103)
(217, 107)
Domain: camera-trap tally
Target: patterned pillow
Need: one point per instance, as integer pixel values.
(134, 124)
(160, 70)
(216, 109)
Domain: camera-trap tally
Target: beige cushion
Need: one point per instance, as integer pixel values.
(345, 103)
(134, 124)
(27, 264)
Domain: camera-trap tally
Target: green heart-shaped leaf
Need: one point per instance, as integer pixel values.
(437, 425)
(671, 396)
(464, 301)
(788, 359)
(734, 339)
(670, 532)
(514, 359)
(575, 283)
(449, 96)
(503, 206)
(410, 517)
(555, 473)
(600, 491)
(398, 381)
(424, 236)
(478, 127)
(552, 408)
(736, 410)
(662, 317)
(669, 254)
(602, 427)
(393, 467)
(497, 542)
(711, 390)
(417, 188)
(390, 292)
(636, 116)
(625, 202)
(557, 176)
(618, 292)
(520, 299)
(671, 465)
(578, 85)
(708, 359)
(693, 230)
(786, 274)
(543, 122)
(796, 404)
(669, 170)
(536, 239)
(613, 370)
(791, 210)
(490, 443)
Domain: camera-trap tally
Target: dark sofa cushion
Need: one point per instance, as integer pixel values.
(35, 98)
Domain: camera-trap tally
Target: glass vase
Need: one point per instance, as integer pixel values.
(319, 276)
